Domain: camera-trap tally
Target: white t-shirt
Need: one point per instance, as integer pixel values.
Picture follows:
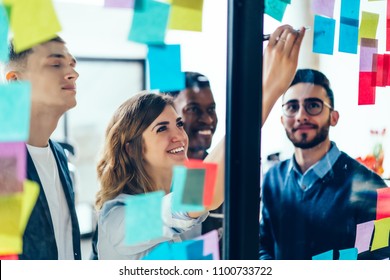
(47, 169)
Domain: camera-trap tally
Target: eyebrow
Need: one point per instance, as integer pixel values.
(61, 56)
(166, 123)
(306, 99)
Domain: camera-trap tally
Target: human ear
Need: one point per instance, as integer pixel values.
(334, 117)
(12, 76)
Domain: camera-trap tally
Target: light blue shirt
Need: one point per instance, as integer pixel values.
(316, 171)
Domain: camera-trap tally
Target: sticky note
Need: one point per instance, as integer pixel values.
(9, 257)
(15, 104)
(165, 68)
(143, 217)
(324, 29)
(383, 203)
(388, 26)
(348, 254)
(350, 9)
(33, 22)
(348, 35)
(15, 210)
(368, 25)
(275, 9)
(12, 167)
(187, 188)
(210, 178)
(161, 252)
(363, 236)
(186, 15)
(193, 187)
(382, 70)
(210, 244)
(368, 47)
(323, 7)
(3, 34)
(324, 256)
(367, 89)
(119, 3)
(187, 250)
(381, 234)
(149, 24)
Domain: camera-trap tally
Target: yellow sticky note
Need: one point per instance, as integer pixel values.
(30, 196)
(368, 25)
(33, 22)
(15, 211)
(186, 15)
(10, 213)
(381, 234)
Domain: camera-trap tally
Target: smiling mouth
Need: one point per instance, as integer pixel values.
(206, 132)
(176, 150)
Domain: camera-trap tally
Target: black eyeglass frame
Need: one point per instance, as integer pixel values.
(322, 102)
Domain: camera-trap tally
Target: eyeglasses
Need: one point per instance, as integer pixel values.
(313, 106)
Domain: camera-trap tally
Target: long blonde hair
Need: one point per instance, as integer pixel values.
(121, 169)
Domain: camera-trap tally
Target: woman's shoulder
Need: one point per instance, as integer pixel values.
(116, 204)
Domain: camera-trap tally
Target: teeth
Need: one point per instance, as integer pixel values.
(205, 132)
(177, 150)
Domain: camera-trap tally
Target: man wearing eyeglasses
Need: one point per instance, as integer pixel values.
(313, 202)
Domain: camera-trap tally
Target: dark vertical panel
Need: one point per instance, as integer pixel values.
(243, 123)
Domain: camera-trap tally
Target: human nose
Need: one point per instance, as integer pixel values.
(301, 114)
(72, 74)
(205, 117)
(179, 135)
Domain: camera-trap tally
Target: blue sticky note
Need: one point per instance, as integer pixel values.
(4, 26)
(187, 250)
(348, 254)
(324, 256)
(165, 68)
(350, 9)
(162, 251)
(275, 9)
(194, 187)
(348, 36)
(149, 24)
(324, 29)
(15, 106)
(143, 217)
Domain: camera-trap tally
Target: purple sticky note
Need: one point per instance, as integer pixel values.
(323, 7)
(119, 3)
(363, 236)
(210, 244)
(12, 167)
(368, 47)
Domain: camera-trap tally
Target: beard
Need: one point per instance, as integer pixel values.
(304, 143)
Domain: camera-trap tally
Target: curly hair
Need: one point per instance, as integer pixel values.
(121, 168)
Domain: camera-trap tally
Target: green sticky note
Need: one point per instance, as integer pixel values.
(15, 104)
(368, 25)
(33, 22)
(149, 24)
(381, 234)
(143, 217)
(275, 9)
(186, 15)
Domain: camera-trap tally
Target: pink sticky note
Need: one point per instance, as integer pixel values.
(119, 3)
(368, 47)
(383, 203)
(363, 236)
(323, 7)
(12, 167)
(367, 88)
(210, 244)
